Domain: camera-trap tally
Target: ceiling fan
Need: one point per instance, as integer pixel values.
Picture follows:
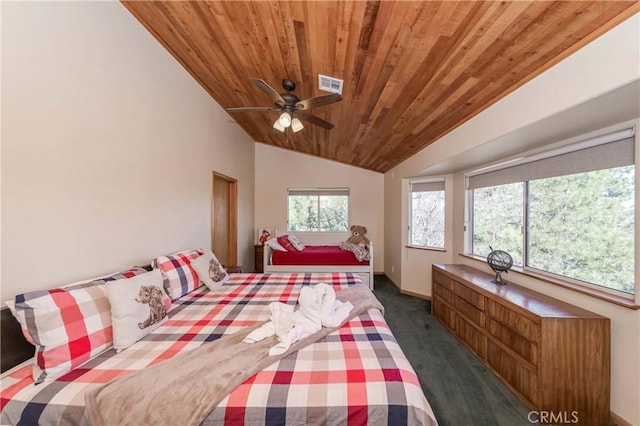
(293, 109)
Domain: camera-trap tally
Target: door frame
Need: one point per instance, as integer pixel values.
(233, 214)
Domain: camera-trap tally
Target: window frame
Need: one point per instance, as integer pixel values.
(318, 192)
(426, 180)
(619, 297)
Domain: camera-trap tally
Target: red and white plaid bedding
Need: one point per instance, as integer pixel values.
(356, 375)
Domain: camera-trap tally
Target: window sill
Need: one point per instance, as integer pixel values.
(602, 295)
(426, 248)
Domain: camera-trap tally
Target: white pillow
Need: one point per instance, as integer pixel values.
(275, 245)
(296, 242)
(138, 306)
(210, 271)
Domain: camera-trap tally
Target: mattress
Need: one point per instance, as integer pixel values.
(316, 255)
(355, 375)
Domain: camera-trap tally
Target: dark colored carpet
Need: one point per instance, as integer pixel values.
(459, 388)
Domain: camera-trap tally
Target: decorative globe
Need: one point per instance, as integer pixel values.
(500, 261)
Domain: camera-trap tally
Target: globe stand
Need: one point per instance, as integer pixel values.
(499, 279)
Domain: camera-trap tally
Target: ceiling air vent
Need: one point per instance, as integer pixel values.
(330, 84)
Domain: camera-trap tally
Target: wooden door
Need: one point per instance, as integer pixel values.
(224, 219)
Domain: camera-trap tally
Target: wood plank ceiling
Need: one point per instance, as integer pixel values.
(412, 70)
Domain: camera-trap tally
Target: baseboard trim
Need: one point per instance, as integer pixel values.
(418, 295)
(392, 281)
(408, 293)
(619, 420)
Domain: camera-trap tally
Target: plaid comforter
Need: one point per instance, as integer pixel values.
(356, 375)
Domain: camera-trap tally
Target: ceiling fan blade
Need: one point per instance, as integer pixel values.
(314, 120)
(251, 109)
(270, 91)
(318, 101)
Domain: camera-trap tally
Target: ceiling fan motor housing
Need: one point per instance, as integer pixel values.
(290, 99)
(288, 85)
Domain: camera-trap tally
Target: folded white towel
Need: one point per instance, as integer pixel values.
(333, 311)
(282, 317)
(306, 321)
(318, 307)
(310, 311)
(302, 328)
(259, 334)
(281, 322)
(339, 314)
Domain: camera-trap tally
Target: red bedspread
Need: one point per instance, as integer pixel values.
(316, 255)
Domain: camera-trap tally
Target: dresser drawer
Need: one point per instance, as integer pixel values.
(515, 321)
(443, 280)
(472, 297)
(443, 312)
(443, 293)
(519, 344)
(514, 372)
(471, 312)
(472, 336)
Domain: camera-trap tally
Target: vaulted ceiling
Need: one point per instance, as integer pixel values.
(412, 70)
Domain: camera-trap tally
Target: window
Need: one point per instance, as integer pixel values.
(498, 219)
(318, 210)
(426, 210)
(569, 212)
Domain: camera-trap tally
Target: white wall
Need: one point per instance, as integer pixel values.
(108, 145)
(416, 276)
(607, 63)
(279, 169)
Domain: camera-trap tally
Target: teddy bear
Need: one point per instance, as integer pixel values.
(358, 235)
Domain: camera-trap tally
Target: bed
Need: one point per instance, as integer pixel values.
(319, 258)
(355, 375)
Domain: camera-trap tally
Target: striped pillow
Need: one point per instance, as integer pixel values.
(179, 278)
(296, 242)
(286, 243)
(68, 325)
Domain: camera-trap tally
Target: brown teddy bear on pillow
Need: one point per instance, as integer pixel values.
(152, 296)
(358, 235)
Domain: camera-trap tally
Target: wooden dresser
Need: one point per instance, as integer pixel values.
(554, 356)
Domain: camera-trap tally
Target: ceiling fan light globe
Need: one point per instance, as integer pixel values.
(296, 125)
(279, 127)
(285, 119)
